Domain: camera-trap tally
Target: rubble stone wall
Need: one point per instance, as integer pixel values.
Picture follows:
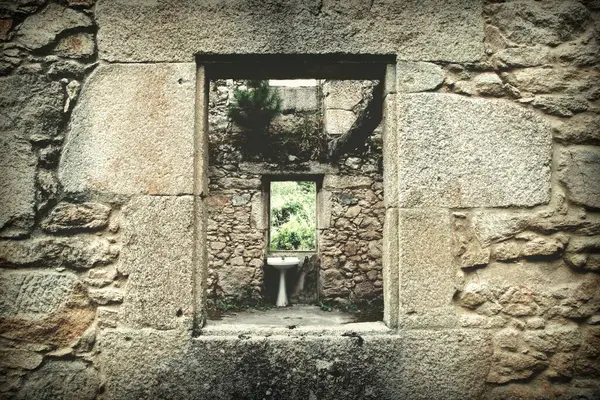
(492, 195)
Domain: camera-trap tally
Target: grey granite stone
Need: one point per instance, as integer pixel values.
(133, 131)
(461, 152)
(415, 30)
(17, 186)
(418, 76)
(42, 29)
(413, 364)
(158, 258)
(580, 173)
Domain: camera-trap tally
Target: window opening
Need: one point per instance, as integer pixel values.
(292, 216)
(296, 168)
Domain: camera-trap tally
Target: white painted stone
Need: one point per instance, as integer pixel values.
(423, 30)
(157, 256)
(462, 152)
(338, 122)
(418, 76)
(298, 98)
(426, 272)
(342, 95)
(133, 131)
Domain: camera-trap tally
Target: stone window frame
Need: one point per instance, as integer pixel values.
(297, 66)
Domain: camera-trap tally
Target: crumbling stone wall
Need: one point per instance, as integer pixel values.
(490, 246)
(58, 251)
(350, 205)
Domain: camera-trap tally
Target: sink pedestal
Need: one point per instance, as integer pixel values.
(282, 264)
(282, 299)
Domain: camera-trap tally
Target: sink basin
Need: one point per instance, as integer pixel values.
(282, 264)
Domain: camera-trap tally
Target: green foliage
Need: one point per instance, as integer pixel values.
(350, 308)
(325, 307)
(236, 305)
(283, 214)
(217, 308)
(253, 110)
(294, 235)
(293, 218)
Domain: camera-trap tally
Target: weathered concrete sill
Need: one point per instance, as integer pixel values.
(248, 330)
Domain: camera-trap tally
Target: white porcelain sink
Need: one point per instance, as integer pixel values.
(282, 264)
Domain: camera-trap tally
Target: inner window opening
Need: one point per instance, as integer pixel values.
(292, 216)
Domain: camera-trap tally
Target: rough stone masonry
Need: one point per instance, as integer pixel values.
(491, 236)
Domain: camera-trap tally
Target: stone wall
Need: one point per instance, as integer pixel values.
(350, 238)
(59, 252)
(350, 202)
(491, 164)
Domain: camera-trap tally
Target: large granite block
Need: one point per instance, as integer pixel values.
(133, 131)
(461, 152)
(140, 30)
(426, 272)
(390, 267)
(417, 364)
(158, 257)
